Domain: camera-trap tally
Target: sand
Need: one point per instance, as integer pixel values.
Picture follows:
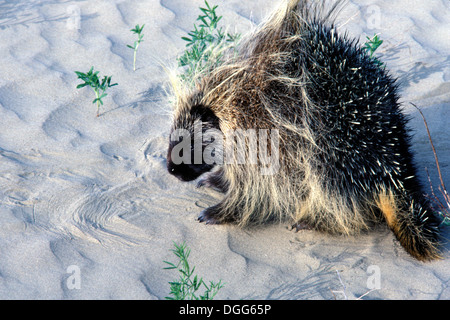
(87, 209)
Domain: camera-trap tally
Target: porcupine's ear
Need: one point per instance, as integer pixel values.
(206, 115)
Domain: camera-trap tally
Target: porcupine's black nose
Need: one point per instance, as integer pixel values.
(185, 172)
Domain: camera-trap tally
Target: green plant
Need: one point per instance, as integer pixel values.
(371, 46)
(188, 284)
(206, 40)
(137, 30)
(91, 79)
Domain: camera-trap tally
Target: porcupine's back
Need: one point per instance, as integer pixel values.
(360, 130)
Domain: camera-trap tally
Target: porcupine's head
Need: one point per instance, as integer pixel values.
(187, 140)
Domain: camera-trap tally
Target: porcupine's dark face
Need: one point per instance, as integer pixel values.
(187, 167)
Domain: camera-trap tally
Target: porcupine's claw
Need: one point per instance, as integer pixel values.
(207, 216)
(214, 181)
(200, 183)
(203, 183)
(214, 215)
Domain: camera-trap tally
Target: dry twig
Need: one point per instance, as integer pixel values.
(444, 209)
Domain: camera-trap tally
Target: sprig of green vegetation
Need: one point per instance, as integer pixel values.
(91, 79)
(188, 284)
(137, 30)
(203, 41)
(371, 46)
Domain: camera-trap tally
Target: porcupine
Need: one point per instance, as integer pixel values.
(345, 161)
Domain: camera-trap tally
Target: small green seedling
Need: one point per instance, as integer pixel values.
(137, 30)
(371, 45)
(91, 79)
(203, 40)
(188, 284)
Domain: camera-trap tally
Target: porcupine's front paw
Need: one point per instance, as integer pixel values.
(214, 215)
(215, 181)
(210, 215)
(203, 182)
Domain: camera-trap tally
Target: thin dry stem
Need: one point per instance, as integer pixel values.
(442, 188)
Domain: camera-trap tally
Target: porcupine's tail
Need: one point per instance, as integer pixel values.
(413, 222)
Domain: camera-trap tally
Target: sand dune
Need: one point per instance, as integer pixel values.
(92, 194)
